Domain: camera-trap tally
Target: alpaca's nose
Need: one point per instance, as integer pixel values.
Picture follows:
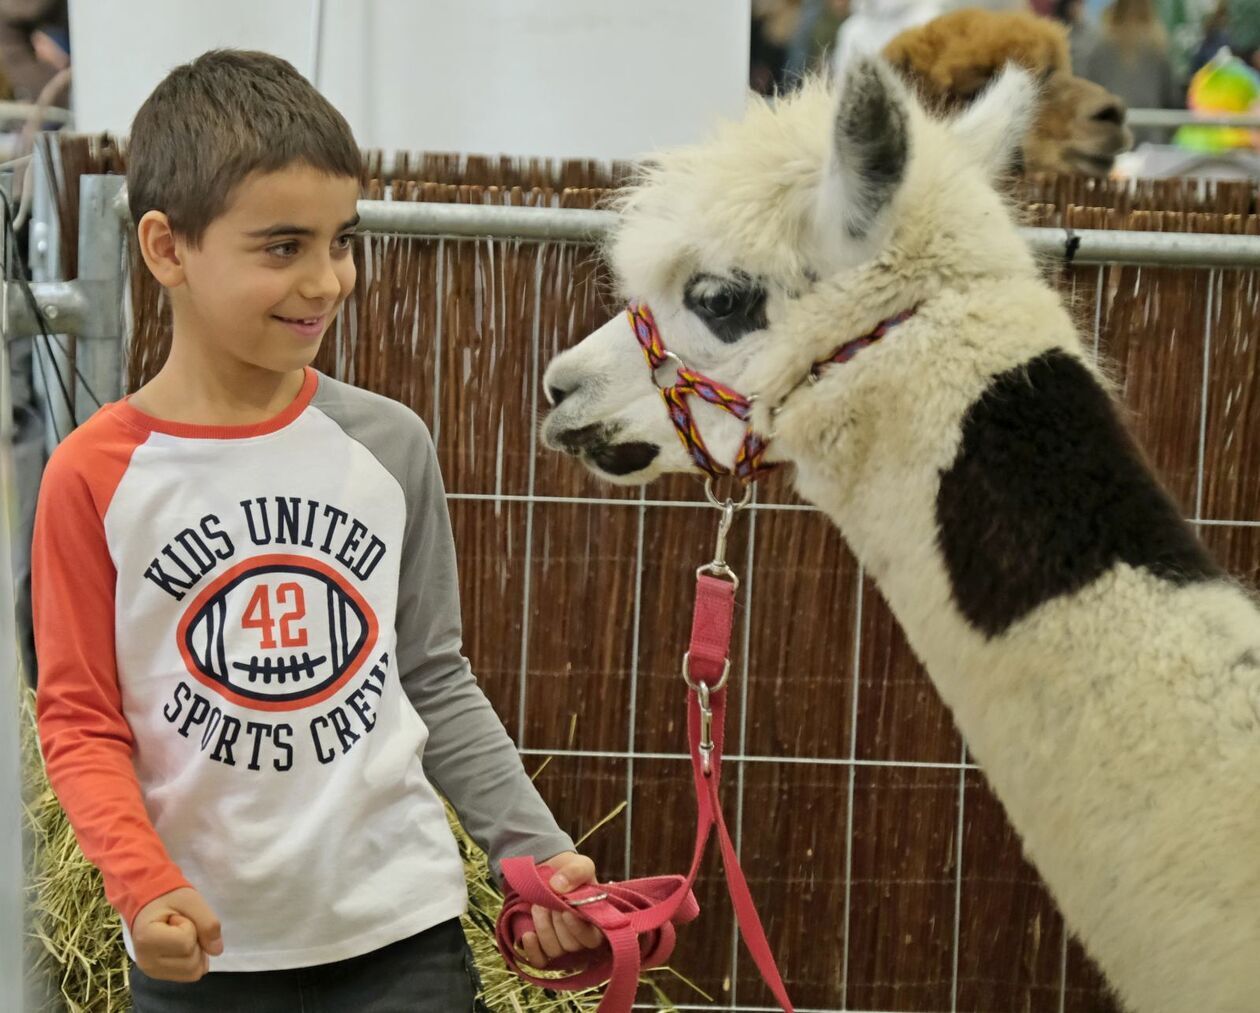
(575, 441)
(1111, 113)
(556, 394)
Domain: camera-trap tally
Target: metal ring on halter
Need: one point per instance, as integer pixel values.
(695, 686)
(666, 357)
(708, 491)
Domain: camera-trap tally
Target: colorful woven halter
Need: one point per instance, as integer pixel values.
(750, 462)
(749, 465)
(850, 348)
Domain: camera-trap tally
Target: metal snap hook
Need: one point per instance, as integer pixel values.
(706, 745)
(718, 567)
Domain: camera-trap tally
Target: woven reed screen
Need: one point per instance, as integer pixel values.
(887, 874)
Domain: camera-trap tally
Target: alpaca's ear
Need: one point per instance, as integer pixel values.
(870, 145)
(993, 127)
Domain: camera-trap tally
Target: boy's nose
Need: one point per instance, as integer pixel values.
(322, 283)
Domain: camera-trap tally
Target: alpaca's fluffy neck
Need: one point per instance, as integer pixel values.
(870, 440)
(929, 255)
(977, 466)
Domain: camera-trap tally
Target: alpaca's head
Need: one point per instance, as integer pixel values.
(726, 239)
(1079, 126)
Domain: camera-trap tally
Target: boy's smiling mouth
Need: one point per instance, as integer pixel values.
(307, 327)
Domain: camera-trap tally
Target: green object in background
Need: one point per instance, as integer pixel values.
(1224, 85)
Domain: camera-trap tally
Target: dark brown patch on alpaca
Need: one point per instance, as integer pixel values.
(1047, 493)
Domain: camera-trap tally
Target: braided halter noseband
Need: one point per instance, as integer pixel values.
(750, 463)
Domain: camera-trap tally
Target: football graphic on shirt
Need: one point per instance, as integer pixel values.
(277, 632)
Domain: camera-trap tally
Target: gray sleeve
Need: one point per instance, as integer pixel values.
(469, 756)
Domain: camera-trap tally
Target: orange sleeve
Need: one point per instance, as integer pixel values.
(86, 740)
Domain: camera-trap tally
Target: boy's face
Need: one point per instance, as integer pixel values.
(270, 272)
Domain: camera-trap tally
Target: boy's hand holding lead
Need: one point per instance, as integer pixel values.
(557, 933)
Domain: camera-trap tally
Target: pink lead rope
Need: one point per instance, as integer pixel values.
(638, 916)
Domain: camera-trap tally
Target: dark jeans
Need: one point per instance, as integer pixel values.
(426, 973)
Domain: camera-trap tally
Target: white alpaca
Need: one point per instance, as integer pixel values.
(1103, 670)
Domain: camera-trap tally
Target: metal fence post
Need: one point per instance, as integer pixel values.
(102, 253)
(12, 891)
(49, 357)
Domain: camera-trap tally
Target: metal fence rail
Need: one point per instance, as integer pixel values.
(1092, 246)
(1187, 117)
(90, 306)
(45, 113)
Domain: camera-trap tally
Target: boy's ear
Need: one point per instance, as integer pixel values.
(159, 249)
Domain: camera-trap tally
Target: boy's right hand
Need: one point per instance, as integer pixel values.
(175, 935)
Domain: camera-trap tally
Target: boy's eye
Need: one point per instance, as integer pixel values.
(344, 242)
(284, 249)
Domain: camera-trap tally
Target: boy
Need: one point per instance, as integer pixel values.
(246, 606)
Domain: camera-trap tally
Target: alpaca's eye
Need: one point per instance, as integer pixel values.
(716, 298)
(721, 303)
(731, 306)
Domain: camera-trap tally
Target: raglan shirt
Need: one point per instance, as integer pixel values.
(251, 678)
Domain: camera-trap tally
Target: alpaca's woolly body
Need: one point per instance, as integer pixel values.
(1120, 726)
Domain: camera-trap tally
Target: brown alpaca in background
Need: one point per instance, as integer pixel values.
(1078, 128)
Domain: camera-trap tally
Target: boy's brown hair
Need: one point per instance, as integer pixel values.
(212, 122)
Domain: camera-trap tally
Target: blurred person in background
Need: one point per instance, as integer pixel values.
(1244, 30)
(875, 23)
(774, 24)
(1202, 28)
(1215, 37)
(34, 46)
(1131, 59)
(1082, 35)
(810, 49)
(825, 32)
